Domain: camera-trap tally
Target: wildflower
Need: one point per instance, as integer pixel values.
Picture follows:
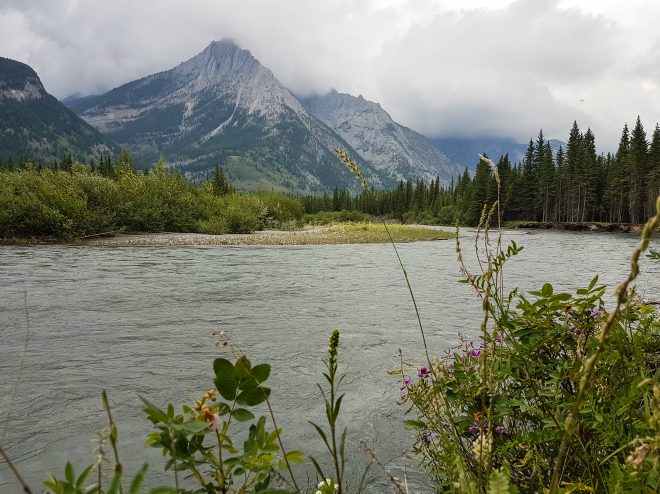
(215, 422)
(637, 457)
(423, 372)
(474, 427)
(334, 344)
(499, 429)
(327, 486)
(481, 448)
(426, 438)
(596, 313)
(437, 367)
(407, 381)
(475, 353)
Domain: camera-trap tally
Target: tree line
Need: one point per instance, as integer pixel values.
(70, 200)
(574, 184)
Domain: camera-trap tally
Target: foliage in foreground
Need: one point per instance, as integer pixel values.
(557, 395)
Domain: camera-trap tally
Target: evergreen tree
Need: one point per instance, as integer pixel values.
(573, 166)
(653, 174)
(637, 160)
(220, 185)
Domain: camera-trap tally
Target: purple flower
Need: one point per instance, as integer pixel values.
(406, 381)
(474, 427)
(423, 372)
(499, 429)
(475, 353)
(426, 438)
(596, 313)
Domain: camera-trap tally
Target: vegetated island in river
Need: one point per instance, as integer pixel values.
(338, 233)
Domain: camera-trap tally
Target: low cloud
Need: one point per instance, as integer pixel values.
(444, 70)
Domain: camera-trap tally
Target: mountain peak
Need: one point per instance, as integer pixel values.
(220, 60)
(223, 47)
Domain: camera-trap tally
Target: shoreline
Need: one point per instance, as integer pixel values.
(310, 235)
(580, 226)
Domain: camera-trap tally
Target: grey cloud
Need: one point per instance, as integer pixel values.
(495, 72)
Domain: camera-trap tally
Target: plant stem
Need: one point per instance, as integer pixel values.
(14, 470)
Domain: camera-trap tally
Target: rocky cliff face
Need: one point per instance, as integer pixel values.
(34, 124)
(223, 106)
(394, 150)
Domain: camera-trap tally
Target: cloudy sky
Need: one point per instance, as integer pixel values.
(443, 67)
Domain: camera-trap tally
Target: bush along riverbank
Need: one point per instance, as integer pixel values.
(64, 205)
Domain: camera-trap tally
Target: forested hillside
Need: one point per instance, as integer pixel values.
(571, 185)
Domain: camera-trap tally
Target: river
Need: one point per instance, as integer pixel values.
(139, 321)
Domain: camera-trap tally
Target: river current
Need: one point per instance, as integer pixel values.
(138, 321)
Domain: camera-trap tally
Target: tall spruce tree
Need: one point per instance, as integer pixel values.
(637, 160)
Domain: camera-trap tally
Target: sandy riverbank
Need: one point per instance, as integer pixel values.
(314, 235)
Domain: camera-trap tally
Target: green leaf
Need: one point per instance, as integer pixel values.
(295, 456)
(69, 473)
(83, 476)
(193, 427)
(137, 481)
(242, 415)
(225, 378)
(317, 467)
(261, 372)
(323, 436)
(415, 424)
(154, 413)
(547, 290)
(253, 396)
(337, 407)
(115, 485)
(243, 368)
(498, 482)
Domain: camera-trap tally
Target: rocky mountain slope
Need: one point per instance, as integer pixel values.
(36, 125)
(223, 106)
(394, 150)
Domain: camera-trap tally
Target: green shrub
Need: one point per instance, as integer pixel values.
(328, 217)
(278, 210)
